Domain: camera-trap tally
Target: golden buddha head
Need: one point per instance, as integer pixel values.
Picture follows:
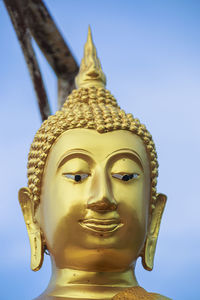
(92, 172)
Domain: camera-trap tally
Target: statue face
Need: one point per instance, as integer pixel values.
(95, 200)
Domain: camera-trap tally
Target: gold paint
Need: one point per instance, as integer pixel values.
(91, 198)
(138, 293)
(33, 229)
(90, 73)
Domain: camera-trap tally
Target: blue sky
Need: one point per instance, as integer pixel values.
(150, 52)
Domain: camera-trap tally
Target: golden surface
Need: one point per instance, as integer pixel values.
(91, 198)
(90, 73)
(138, 293)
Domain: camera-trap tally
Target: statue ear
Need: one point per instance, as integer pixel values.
(34, 232)
(152, 236)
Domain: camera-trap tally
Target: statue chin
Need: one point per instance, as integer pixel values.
(91, 199)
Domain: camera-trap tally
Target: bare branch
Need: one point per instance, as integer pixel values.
(52, 45)
(24, 38)
(64, 89)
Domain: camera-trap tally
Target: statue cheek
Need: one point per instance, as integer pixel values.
(134, 231)
(65, 233)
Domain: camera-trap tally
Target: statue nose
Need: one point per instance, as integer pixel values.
(103, 205)
(101, 197)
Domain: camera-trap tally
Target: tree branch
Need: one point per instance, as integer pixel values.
(23, 34)
(52, 44)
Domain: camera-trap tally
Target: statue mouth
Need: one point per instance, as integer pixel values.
(101, 226)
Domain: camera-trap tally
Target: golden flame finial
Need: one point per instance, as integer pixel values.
(90, 73)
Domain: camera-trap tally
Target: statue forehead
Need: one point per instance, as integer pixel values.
(98, 144)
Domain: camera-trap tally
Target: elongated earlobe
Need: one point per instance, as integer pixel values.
(34, 232)
(152, 236)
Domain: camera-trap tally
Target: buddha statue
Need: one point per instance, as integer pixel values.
(91, 200)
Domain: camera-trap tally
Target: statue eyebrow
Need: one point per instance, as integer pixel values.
(129, 153)
(74, 153)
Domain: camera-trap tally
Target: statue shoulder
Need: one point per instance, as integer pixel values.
(136, 293)
(160, 297)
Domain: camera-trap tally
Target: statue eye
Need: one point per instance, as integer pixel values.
(77, 177)
(125, 177)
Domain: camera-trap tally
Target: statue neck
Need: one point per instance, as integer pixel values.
(66, 283)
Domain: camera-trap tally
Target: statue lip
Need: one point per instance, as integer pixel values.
(101, 225)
